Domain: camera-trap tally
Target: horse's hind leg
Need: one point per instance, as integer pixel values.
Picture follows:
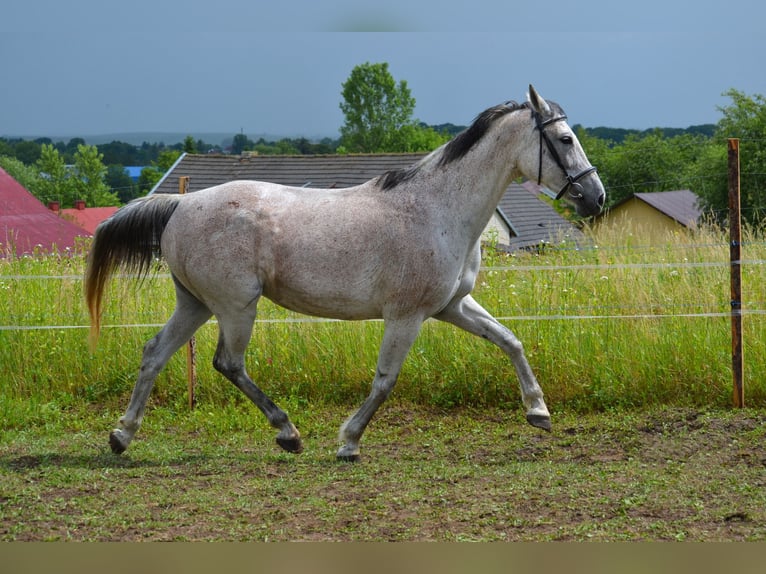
(189, 315)
(235, 332)
(467, 314)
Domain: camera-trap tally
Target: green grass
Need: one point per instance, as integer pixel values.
(646, 352)
(645, 445)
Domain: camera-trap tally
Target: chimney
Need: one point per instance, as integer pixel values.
(54, 206)
(79, 204)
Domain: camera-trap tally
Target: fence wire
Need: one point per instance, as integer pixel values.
(578, 313)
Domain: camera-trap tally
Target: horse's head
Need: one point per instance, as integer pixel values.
(558, 161)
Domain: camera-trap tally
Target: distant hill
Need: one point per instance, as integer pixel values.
(167, 138)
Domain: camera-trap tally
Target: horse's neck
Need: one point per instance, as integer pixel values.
(473, 185)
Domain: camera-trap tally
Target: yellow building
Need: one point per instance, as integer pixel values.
(654, 213)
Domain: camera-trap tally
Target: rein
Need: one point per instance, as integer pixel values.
(575, 189)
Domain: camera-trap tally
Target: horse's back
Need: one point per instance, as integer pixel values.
(352, 253)
(301, 248)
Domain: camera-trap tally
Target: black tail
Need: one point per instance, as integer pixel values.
(129, 239)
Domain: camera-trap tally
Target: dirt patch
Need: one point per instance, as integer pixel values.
(675, 474)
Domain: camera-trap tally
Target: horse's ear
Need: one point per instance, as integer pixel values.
(537, 102)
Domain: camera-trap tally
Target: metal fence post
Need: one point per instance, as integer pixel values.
(735, 255)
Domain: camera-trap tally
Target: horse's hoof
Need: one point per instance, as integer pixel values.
(349, 457)
(540, 421)
(293, 445)
(115, 443)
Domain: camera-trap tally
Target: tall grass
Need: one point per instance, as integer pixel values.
(612, 324)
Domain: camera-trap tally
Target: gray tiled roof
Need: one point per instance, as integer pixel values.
(321, 171)
(532, 220)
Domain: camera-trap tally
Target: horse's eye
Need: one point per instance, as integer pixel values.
(566, 140)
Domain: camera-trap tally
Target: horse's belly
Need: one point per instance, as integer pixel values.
(332, 305)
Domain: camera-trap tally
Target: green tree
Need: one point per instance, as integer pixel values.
(27, 176)
(151, 175)
(415, 138)
(68, 150)
(743, 118)
(190, 146)
(119, 153)
(377, 109)
(120, 182)
(89, 178)
(241, 143)
(647, 162)
(27, 151)
(55, 179)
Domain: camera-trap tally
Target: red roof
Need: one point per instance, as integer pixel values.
(26, 225)
(88, 217)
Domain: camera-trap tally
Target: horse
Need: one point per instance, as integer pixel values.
(402, 247)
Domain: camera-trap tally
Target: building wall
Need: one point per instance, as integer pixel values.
(497, 229)
(636, 217)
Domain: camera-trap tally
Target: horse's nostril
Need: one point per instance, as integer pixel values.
(601, 199)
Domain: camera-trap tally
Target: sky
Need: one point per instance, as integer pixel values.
(86, 67)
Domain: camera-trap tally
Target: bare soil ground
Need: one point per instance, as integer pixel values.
(671, 474)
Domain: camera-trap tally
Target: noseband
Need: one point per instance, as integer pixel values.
(575, 189)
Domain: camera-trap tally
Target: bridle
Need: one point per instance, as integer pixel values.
(575, 189)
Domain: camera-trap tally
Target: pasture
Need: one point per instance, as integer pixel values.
(628, 338)
(427, 475)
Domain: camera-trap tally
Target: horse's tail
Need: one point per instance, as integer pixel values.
(129, 239)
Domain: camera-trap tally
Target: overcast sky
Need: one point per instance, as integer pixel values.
(88, 67)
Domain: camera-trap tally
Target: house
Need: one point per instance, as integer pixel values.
(654, 213)
(521, 220)
(27, 226)
(87, 218)
(134, 171)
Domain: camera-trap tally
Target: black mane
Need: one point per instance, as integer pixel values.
(465, 140)
(458, 147)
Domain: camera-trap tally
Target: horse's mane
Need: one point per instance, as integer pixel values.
(456, 148)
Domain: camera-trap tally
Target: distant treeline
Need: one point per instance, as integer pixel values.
(125, 154)
(617, 135)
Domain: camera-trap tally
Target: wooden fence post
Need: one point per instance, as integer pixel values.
(735, 256)
(191, 347)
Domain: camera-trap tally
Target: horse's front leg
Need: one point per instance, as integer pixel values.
(398, 337)
(467, 314)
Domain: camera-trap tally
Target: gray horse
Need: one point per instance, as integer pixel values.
(403, 247)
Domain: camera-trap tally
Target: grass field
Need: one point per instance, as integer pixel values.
(630, 342)
(617, 324)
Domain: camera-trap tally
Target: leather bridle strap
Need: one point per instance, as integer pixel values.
(574, 188)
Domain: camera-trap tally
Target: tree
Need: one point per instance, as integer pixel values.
(55, 181)
(241, 143)
(376, 110)
(648, 162)
(27, 151)
(415, 138)
(118, 153)
(121, 183)
(28, 176)
(151, 175)
(190, 146)
(89, 178)
(744, 118)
